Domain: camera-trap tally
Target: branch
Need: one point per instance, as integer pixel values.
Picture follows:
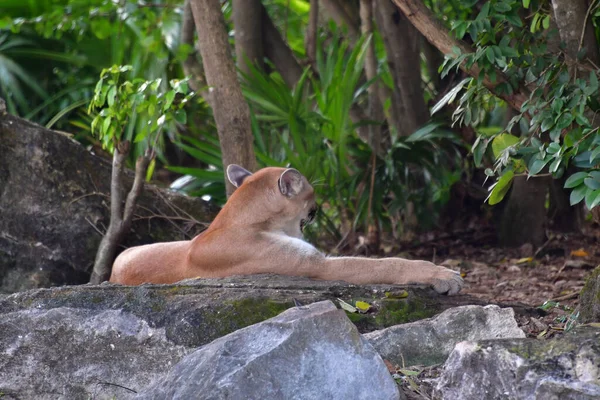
(426, 23)
(191, 66)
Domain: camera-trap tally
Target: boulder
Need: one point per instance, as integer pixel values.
(565, 367)
(70, 353)
(312, 352)
(430, 341)
(590, 298)
(196, 312)
(54, 206)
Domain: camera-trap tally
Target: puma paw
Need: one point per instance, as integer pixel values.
(447, 281)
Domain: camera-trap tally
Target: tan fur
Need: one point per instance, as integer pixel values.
(259, 231)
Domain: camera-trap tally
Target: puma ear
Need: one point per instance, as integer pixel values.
(237, 174)
(290, 182)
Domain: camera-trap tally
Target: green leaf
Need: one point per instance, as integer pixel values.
(501, 188)
(450, 96)
(577, 194)
(575, 180)
(180, 116)
(593, 86)
(594, 154)
(478, 150)
(555, 164)
(101, 27)
(546, 22)
(564, 120)
(536, 165)
(502, 142)
(526, 3)
(592, 198)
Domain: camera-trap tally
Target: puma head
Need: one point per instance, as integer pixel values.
(282, 196)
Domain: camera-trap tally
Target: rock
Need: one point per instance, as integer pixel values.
(196, 312)
(590, 298)
(72, 353)
(566, 367)
(54, 205)
(430, 341)
(312, 352)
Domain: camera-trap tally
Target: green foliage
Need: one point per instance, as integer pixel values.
(558, 130)
(309, 128)
(120, 101)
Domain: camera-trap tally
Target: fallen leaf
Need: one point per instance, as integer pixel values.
(412, 384)
(524, 260)
(542, 334)
(390, 366)
(362, 306)
(348, 307)
(579, 253)
(400, 294)
(409, 372)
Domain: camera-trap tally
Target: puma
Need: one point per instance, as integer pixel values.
(259, 230)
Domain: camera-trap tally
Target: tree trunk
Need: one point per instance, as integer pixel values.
(575, 28)
(231, 112)
(121, 215)
(524, 216)
(312, 32)
(247, 18)
(439, 36)
(340, 14)
(402, 45)
(576, 32)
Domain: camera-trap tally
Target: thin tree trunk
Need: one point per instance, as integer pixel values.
(375, 108)
(191, 66)
(439, 36)
(312, 31)
(340, 15)
(231, 112)
(120, 218)
(376, 114)
(402, 44)
(247, 17)
(575, 28)
(524, 216)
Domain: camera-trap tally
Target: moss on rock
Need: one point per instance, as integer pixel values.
(590, 298)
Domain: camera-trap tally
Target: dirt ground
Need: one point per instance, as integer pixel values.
(549, 277)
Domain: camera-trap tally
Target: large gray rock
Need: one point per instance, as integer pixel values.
(312, 352)
(54, 204)
(66, 353)
(563, 368)
(196, 312)
(430, 341)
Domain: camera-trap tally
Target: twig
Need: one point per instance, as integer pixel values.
(542, 247)
(94, 226)
(567, 296)
(87, 195)
(587, 14)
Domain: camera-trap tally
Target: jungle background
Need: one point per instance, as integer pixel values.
(462, 132)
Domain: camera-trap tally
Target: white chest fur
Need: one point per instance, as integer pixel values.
(294, 244)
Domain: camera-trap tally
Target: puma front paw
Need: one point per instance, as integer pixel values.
(446, 281)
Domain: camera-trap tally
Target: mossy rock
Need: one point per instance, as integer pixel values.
(590, 298)
(196, 312)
